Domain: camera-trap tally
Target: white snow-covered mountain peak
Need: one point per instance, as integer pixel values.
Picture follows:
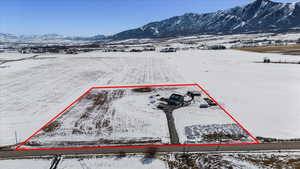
(263, 2)
(257, 16)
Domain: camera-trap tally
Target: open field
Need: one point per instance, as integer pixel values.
(268, 160)
(107, 117)
(235, 160)
(40, 88)
(133, 116)
(287, 50)
(108, 162)
(264, 98)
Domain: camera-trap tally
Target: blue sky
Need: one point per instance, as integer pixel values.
(91, 17)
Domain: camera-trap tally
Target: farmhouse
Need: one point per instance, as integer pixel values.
(176, 99)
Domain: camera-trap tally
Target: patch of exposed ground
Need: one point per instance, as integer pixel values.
(288, 50)
(100, 111)
(142, 90)
(272, 140)
(216, 132)
(269, 160)
(94, 119)
(107, 117)
(200, 161)
(233, 160)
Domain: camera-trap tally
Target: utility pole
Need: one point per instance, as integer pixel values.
(16, 137)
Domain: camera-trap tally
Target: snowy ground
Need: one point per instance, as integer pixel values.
(34, 91)
(25, 164)
(109, 116)
(229, 41)
(263, 97)
(193, 123)
(267, 160)
(134, 162)
(12, 56)
(130, 162)
(128, 116)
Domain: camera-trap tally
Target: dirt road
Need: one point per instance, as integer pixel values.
(16, 60)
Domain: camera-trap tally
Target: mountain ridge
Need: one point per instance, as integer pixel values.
(258, 16)
(255, 17)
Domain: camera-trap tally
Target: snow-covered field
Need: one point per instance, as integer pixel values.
(263, 97)
(133, 162)
(194, 123)
(231, 40)
(267, 160)
(127, 116)
(130, 162)
(25, 164)
(109, 116)
(12, 56)
(34, 91)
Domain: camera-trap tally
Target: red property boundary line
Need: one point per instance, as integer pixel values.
(137, 146)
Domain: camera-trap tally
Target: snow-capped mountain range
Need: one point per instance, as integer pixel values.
(258, 16)
(46, 37)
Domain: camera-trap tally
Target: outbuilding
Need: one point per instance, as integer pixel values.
(204, 105)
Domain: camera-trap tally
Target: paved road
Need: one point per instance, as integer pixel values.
(224, 148)
(168, 109)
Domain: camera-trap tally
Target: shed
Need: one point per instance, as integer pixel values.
(210, 102)
(204, 105)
